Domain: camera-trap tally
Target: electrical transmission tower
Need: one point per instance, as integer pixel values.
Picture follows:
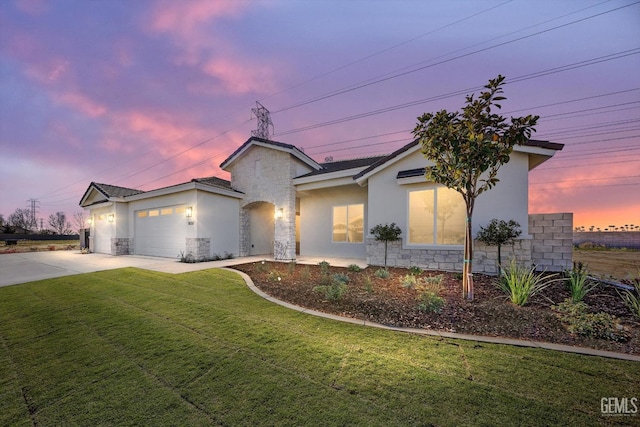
(32, 207)
(264, 121)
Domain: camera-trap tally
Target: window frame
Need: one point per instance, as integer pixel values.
(407, 236)
(333, 216)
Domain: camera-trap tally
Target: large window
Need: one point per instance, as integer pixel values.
(348, 223)
(436, 217)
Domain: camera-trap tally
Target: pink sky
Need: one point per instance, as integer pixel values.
(151, 93)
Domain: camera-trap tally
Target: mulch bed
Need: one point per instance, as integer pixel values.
(387, 302)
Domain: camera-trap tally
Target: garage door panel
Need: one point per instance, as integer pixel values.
(160, 232)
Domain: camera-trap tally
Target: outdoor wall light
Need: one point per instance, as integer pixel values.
(90, 220)
(189, 212)
(279, 213)
(110, 217)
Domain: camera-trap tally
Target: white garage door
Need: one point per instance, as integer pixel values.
(102, 235)
(160, 231)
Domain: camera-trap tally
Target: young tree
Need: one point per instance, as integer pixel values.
(386, 233)
(467, 149)
(498, 233)
(59, 224)
(79, 220)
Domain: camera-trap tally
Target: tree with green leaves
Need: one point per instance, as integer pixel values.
(498, 233)
(467, 148)
(386, 233)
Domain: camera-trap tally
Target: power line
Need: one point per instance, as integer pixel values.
(341, 92)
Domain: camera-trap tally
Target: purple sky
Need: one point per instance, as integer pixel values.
(150, 93)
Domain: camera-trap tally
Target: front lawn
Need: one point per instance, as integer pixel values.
(134, 347)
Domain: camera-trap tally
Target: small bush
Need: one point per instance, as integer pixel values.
(51, 247)
(228, 255)
(354, 267)
(430, 302)
(631, 298)
(274, 276)
(33, 248)
(382, 273)
(434, 281)
(408, 281)
(188, 258)
(578, 283)
(595, 325)
(368, 286)
(415, 271)
(324, 267)
(521, 283)
(340, 277)
(261, 267)
(333, 291)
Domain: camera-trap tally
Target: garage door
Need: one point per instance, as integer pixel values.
(160, 231)
(102, 235)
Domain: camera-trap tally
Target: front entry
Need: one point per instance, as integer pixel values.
(261, 228)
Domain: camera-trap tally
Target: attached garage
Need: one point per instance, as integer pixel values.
(160, 231)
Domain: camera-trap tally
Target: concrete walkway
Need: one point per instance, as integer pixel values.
(31, 266)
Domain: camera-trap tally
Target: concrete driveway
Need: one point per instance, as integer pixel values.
(31, 266)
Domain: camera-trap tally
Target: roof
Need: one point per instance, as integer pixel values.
(114, 190)
(530, 143)
(214, 181)
(292, 149)
(341, 165)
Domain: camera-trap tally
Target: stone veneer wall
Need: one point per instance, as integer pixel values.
(550, 249)
(121, 246)
(273, 184)
(552, 244)
(198, 247)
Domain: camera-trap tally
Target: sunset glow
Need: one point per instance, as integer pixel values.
(145, 94)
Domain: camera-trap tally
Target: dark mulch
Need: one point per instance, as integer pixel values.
(387, 302)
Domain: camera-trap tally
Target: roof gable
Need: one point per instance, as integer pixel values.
(98, 193)
(255, 141)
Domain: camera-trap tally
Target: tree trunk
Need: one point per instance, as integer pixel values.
(467, 266)
(385, 254)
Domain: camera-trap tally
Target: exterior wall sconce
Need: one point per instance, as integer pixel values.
(90, 220)
(189, 212)
(110, 217)
(279, 213)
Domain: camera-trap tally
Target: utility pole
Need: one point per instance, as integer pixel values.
(264, 121)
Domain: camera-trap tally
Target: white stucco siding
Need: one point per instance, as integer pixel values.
(507, 200)
(102, 230)
(217, 218)
(316, 221)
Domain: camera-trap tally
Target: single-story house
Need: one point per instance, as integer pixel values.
(282, 203)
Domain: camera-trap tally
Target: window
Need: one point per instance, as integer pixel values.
(436, 217)
(166, 211)
(154, 212)
(142, 214)
(348, 223)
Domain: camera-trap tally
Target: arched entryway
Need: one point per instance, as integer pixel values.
(260, 231)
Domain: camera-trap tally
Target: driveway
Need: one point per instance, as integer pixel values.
(31, 266)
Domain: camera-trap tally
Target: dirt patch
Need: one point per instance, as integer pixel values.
(618, 264)
(388, 302)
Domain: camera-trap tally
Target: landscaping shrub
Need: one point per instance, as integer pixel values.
(578, 282)
(291, 267)
(415, 270)
(382, 273)
(386, 233)
(631, 298)
(595, 325)
(324, 267)
(336, 289)
(521, 283)
(306, 273)
(408, 281)
(368, 286)
(354, 267)
(274, 276)
(429, 300)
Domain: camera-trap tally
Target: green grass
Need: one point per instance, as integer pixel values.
(134, 347)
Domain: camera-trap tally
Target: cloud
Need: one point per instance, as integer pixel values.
(239, 77)
(82, 104)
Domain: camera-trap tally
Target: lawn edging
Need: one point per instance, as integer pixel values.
(443, 334)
